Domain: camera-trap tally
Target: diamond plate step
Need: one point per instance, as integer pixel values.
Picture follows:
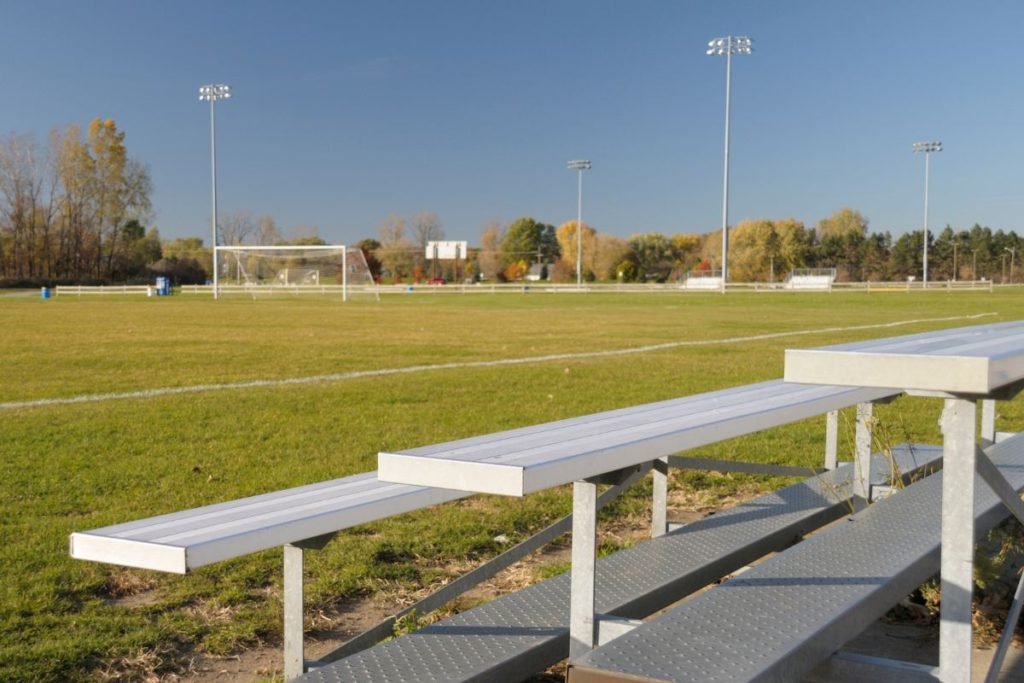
(781, 618)
(525, 632)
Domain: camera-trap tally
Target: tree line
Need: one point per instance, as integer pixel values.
(75, 209)
(760, 250)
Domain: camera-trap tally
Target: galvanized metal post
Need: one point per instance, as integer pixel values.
(659, 501)
(988, 422)
(294, 656)
(582, 621)
(958, 467)
(213, 181)
(862, 455)
(832, 440)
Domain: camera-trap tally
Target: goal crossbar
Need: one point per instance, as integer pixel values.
(351, 258)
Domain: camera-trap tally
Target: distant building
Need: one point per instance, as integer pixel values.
(537, 272)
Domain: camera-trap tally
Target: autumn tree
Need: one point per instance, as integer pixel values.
(27, 239)
(752, 249)
(686, 249)
(185, 260)
(760, 249)
(395, 252)
(711, 249)
(843, 222)
(235, 228)
(653, 254)
(568, 246)
(792, 245)
(610, 253)
(529, 240)
(267, 232)
(64, 208)
(489, 259)
(426, 227)
(141, 249)
(370, 247)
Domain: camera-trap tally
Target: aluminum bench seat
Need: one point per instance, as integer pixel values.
(779, 620)
(182, 541)
(521, 461)
(525, 632)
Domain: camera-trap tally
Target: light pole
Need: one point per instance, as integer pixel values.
(1013, 256)
(212, 93)
(927, 148)
(579, 165)
(727, 46)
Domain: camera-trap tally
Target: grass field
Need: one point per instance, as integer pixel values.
(69, 466)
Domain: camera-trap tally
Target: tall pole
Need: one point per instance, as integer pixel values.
(927, 148)
(725, 165)
(927, 165)
(727, 46)
(579, 165)
(579, 229)
(213, 190)
(212, 93)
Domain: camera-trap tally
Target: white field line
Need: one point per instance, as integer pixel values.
(344, 376)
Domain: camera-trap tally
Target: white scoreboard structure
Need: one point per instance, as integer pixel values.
(446, 250)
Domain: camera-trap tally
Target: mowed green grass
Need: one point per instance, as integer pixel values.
(67, 467)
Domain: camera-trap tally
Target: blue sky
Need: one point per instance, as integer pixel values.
(345, 112)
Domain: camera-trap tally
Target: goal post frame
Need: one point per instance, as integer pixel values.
(342, 248)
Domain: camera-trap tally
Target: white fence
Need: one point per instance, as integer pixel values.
(571, 288)
(79, 290)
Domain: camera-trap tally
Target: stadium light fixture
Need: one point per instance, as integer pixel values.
(727, 46)
(211, 93)
(579, 165)
(927, 148)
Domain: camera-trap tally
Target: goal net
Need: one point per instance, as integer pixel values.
(293, 270)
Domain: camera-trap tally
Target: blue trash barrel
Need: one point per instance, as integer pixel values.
(46, 292)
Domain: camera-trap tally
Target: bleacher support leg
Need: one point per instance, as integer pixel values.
(582, 621)
(832, 440)
(294, 662)
(862, 455)
(659, 502)
(957, 561)
(988, 422)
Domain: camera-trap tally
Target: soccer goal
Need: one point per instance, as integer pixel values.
(293, 270)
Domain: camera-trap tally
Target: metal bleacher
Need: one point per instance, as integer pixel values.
(788, 615)
(523, 633)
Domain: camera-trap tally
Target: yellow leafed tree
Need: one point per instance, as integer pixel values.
(566, 236)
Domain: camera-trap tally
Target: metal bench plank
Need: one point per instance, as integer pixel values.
(182, 541)
(514, 440)
(778, 620)
(559, 453)
(527, 631)
(972, 360)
